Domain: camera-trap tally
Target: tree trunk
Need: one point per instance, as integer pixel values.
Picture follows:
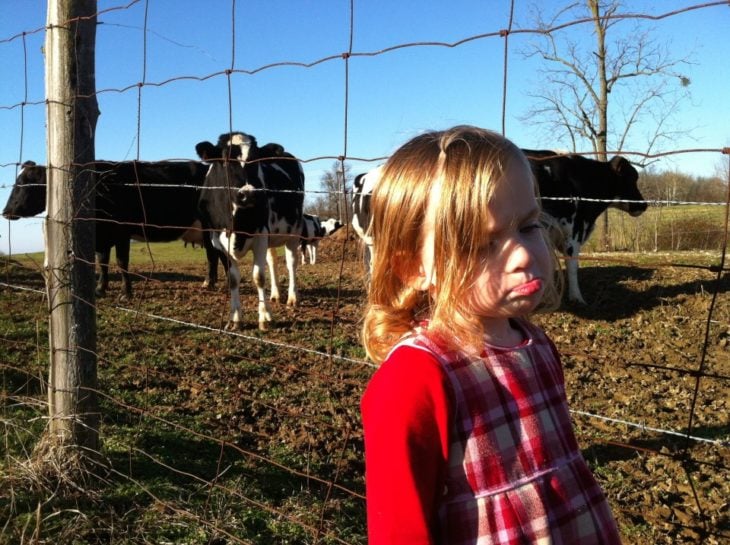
(601, 136)
(72, 112)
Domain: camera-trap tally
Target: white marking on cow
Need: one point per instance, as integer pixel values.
(360, 224)
(243, 141)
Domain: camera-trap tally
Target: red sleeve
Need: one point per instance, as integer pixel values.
(406, 411)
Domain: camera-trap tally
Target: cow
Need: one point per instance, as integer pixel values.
(194, 235)
(314, 230)
(152, 201)
(362, 188)
(252, 200)
(574, 191)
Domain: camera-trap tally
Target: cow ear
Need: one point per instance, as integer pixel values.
(207, 151)
(623, 168)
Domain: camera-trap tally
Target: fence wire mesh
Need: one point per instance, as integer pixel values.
(216, 436)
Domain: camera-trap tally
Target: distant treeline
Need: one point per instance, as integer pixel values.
(672, 186)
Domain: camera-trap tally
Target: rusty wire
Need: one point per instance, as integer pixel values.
(147, 413)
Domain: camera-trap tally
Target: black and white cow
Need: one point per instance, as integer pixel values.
(152, 201)
(314, 230)
(252, 200)
(362, 188)
(574, 190)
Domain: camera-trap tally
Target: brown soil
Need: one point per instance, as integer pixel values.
(647, 369)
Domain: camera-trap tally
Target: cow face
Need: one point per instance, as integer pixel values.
(28, 196)
(331, 225)
(238, 144)
(251, 193)
(229, 170)
(626, 187)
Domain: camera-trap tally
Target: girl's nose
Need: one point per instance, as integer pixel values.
(520, 253)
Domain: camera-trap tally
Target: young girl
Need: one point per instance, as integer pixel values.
(468, 439)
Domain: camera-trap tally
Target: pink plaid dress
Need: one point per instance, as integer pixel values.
(514, 472)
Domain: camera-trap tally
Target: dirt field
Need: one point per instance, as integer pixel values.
(270, 420)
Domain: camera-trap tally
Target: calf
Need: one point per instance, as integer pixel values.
(574, 191)
(152, 201)
(314, 230)
(252, 200)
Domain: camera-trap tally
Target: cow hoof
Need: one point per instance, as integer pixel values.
(263, 326)
(233, 326)
(291, 303)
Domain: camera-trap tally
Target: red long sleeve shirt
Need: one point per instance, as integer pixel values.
(405, 460)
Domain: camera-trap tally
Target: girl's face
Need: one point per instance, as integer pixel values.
(516, 261)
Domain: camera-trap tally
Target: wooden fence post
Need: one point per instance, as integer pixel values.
(71, 116)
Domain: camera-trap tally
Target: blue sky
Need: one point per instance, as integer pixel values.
(391, 97)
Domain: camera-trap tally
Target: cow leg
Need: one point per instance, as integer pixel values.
(572, 252)
(291, 266)
(312, 251)
(102, 262)
(225, 262)
(368, 258)
(304, 251)
(261, 254)
(122, 252)
(212, 256)
(234, 281)
(271, 261)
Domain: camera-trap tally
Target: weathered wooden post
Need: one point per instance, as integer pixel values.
(71, 116)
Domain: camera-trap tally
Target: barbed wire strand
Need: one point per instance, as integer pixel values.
(318, 531)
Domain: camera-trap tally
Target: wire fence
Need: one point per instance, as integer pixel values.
(215, 436)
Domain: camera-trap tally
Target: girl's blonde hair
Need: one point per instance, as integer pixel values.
(463, 163)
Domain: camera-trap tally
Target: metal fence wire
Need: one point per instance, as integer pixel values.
(248, 437)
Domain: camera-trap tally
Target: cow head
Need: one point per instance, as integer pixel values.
(28, 196)
(238, 145)
(330, 226)
(626, 187)
(231, 167)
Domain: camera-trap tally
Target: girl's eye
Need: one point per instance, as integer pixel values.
(532, 227)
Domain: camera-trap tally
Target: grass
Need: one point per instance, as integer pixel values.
(212, 439)
(175, 470)
(673, 228)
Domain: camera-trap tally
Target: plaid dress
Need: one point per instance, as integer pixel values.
(515, 474)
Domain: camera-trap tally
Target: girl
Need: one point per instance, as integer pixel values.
(468, 439)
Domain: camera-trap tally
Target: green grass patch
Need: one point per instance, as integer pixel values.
(662, 228)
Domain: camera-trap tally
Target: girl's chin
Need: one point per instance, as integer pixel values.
(525, 304)
(512, 308)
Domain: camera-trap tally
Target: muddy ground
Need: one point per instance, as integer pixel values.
(647, 364)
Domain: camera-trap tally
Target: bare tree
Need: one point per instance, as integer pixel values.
(624, 89)
(332, 202)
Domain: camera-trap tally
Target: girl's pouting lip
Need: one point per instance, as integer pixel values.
(528, 288)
